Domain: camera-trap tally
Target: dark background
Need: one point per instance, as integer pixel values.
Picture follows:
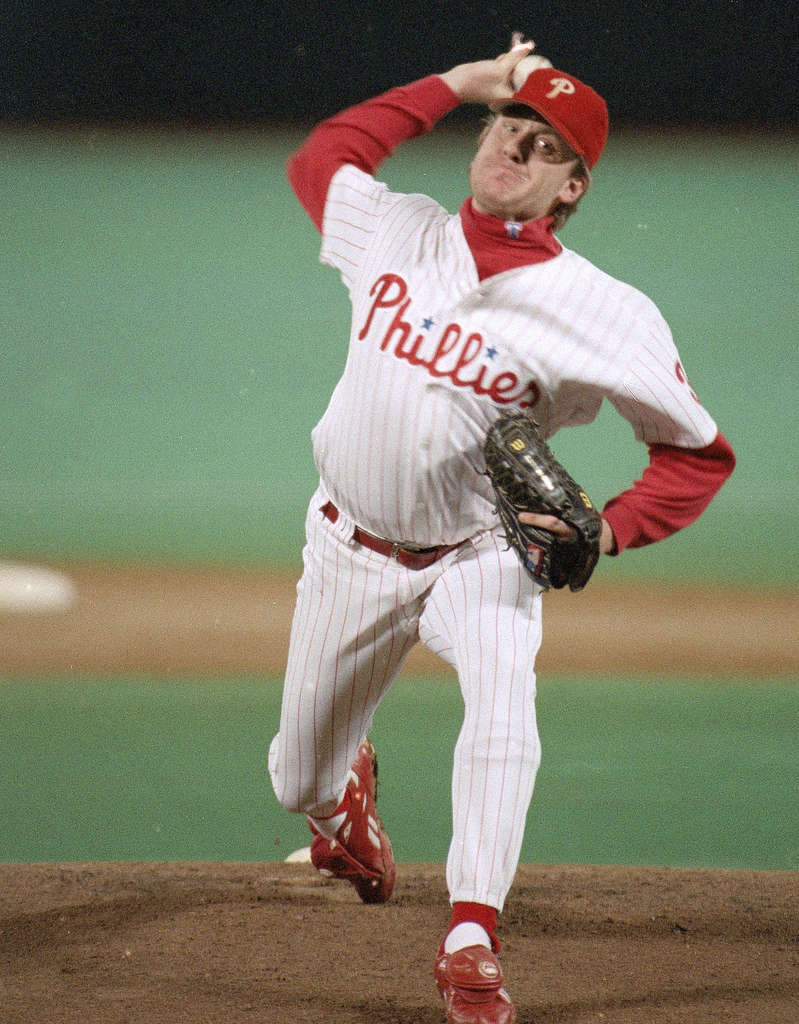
(716, 62)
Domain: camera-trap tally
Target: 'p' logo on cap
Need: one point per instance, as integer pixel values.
(563, 86)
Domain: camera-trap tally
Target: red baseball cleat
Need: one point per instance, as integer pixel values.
(361, 852)
(470, 983)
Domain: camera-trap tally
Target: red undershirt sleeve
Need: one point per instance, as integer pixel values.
(674, 490)
(365, 135)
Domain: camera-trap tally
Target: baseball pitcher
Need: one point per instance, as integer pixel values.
(441, 514)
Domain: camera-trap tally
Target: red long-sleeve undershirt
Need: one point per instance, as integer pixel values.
(365, 135)
(674, 490)
(679, 483)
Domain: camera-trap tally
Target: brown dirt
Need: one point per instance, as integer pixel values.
(212, 622)
(274, 943)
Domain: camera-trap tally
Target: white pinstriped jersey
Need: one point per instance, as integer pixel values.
(435, 353)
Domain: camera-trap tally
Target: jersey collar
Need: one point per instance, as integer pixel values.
(497, 245)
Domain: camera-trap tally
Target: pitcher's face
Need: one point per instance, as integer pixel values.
(523, 169)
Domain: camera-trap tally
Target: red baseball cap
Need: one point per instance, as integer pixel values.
(574, 109)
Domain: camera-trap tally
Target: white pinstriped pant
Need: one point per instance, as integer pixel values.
(358, 615)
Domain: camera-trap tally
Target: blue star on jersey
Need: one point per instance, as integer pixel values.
(514, 228)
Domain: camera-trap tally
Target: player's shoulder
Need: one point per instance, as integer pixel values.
(617, 293)
(595, 275)
(355, 183)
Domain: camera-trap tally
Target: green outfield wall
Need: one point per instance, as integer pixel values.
(169, 338)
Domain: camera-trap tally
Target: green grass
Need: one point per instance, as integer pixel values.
(635, 771)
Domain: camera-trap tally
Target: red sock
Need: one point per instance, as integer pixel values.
(477, 913)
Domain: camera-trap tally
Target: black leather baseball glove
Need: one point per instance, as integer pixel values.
(527, 477)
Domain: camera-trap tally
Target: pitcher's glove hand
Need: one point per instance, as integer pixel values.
(527, 477)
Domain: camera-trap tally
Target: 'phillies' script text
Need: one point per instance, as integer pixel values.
(453, 354)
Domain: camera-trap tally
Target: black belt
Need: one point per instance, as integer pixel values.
(405, 556)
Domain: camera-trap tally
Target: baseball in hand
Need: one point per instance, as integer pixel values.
(525, 67)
